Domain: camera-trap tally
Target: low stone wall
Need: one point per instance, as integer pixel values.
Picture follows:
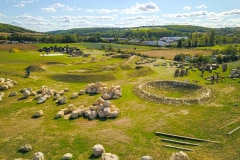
(204, 94)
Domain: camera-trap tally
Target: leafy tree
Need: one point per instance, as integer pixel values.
(179, 57)
(211, 39)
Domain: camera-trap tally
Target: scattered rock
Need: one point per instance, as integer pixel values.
(59, 114)
(74, 95)
(98, 150)
(67, 156)
(81, 92)
(38, 114)
(62, 100)
(38, 156)
(6, 84)
(26, 148)
(109, 156)
(12, 94)
(146, 158)
(179, 156)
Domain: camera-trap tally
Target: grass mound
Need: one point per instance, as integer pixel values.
(90, 78)
(141, 71)
(35, 68)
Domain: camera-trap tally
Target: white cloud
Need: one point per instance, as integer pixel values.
(49, 9)
(29, 18)
(203, 13)
(27, 1)
(54, 7)
(103, 10)
(141, 18)
(19, 5)
(201, 6)
(186, 8)
(142, 7)
(74, 19)
(57, 5)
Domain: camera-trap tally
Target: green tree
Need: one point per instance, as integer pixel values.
(212, 37)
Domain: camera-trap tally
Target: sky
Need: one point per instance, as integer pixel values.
(51, 15)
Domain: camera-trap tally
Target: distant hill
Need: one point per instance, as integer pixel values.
(182, 29)
(11, 28)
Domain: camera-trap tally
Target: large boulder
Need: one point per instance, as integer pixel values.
(98, 150)
(26, 148)
(146, 158)
(12, 94)
(67, 156)
(74, 95)
(26, 93)
(38, 114)
(109, 156)
(62, 100)
(38, 156)
(92, 115)
(59, 114)
(74, 115)
(42, 99)
(179, 156)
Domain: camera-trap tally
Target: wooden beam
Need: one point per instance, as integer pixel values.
(180, 142)
(229, 124)
(181, 148)
(233, 130)
(184, 137)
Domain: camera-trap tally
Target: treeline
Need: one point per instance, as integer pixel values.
(196, 35)
(229, 54)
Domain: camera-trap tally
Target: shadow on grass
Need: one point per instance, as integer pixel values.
(75, 78)
(93, 157)
(22, 151)
(22, 98)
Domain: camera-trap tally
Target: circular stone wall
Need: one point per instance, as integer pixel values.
(173, 92)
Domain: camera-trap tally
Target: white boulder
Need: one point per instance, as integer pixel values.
(38, 113)
(26, 148)
(59, 114)
(146, 158)
(98, 150)
(38, 156)
(74, 95)
(179, 156)
(67, 156)
(109, 156)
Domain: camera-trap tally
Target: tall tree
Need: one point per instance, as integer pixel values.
(211, 39)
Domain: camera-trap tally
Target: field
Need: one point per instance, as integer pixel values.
(132, 134)
(170, 53)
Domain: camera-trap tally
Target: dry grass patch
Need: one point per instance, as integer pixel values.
(170, 53)
(20, 46)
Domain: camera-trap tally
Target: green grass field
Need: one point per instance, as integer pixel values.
(132, 134)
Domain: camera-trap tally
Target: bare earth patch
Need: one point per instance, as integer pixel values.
(170, 53)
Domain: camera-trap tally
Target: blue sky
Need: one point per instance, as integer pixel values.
(49, 15)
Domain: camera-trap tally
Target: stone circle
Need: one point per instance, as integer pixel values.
(158, 91)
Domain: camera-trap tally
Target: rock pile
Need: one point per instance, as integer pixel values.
(101, 108)
(95, 88)
(112, 92)
(6, 84)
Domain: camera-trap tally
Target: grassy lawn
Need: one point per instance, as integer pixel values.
(132, 134)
